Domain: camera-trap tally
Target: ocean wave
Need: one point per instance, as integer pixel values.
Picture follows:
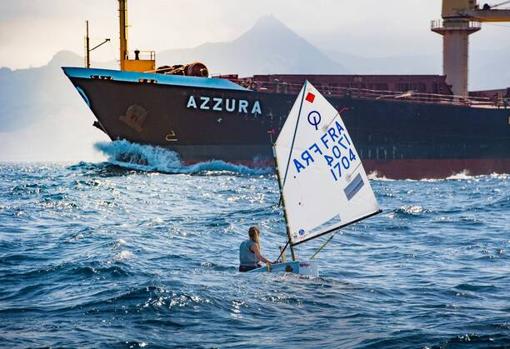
(95, 170)
(374, 176)
(460, 176)
(65, 270)
(476, 288)
(473, 340)
(465, 176)
(500, 203)
(409, 211)
(148, 158)
(148, 298)
(123, 255)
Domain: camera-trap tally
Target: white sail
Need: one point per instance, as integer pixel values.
(323, 183)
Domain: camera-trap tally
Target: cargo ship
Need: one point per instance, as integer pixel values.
(404, 126)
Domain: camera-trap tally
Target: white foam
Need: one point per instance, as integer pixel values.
(374, 175)
(123, 255)
(461, 175)
(152, 158)
(414, 209)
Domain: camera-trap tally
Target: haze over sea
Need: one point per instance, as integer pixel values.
(141, 251)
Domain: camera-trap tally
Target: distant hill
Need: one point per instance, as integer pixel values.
(42, 118)
(27, 95)
(489, 69)
(413, 65)
(269, 47)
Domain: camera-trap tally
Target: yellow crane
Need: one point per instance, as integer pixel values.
(461, 18)
(143, 60)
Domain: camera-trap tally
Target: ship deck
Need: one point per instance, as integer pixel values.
(288, 84)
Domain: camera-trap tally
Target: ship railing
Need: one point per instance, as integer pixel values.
(142, 55)
(363, 93)
(460, 24)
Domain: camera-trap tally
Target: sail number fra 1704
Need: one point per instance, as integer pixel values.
(334, 147)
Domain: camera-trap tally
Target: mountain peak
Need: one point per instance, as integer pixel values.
(269, 21)
(64, 57)
(269, 47)
(269, 29)
(267, 25)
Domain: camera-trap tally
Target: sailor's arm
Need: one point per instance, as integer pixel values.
(260, 257)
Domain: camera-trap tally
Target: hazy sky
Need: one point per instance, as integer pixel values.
(32, 31)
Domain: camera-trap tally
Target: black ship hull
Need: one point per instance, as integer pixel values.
(205, 119)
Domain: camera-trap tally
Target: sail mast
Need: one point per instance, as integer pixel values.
(283, 205)
(280, 183)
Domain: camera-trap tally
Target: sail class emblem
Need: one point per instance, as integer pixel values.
(314, 119)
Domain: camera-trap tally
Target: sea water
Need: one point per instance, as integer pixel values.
(141, 251)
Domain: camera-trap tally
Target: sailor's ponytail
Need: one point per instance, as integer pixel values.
(254, 233)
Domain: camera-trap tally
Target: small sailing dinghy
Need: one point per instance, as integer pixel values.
(323, 184)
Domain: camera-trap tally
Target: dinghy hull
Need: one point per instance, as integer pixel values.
(306, 268)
